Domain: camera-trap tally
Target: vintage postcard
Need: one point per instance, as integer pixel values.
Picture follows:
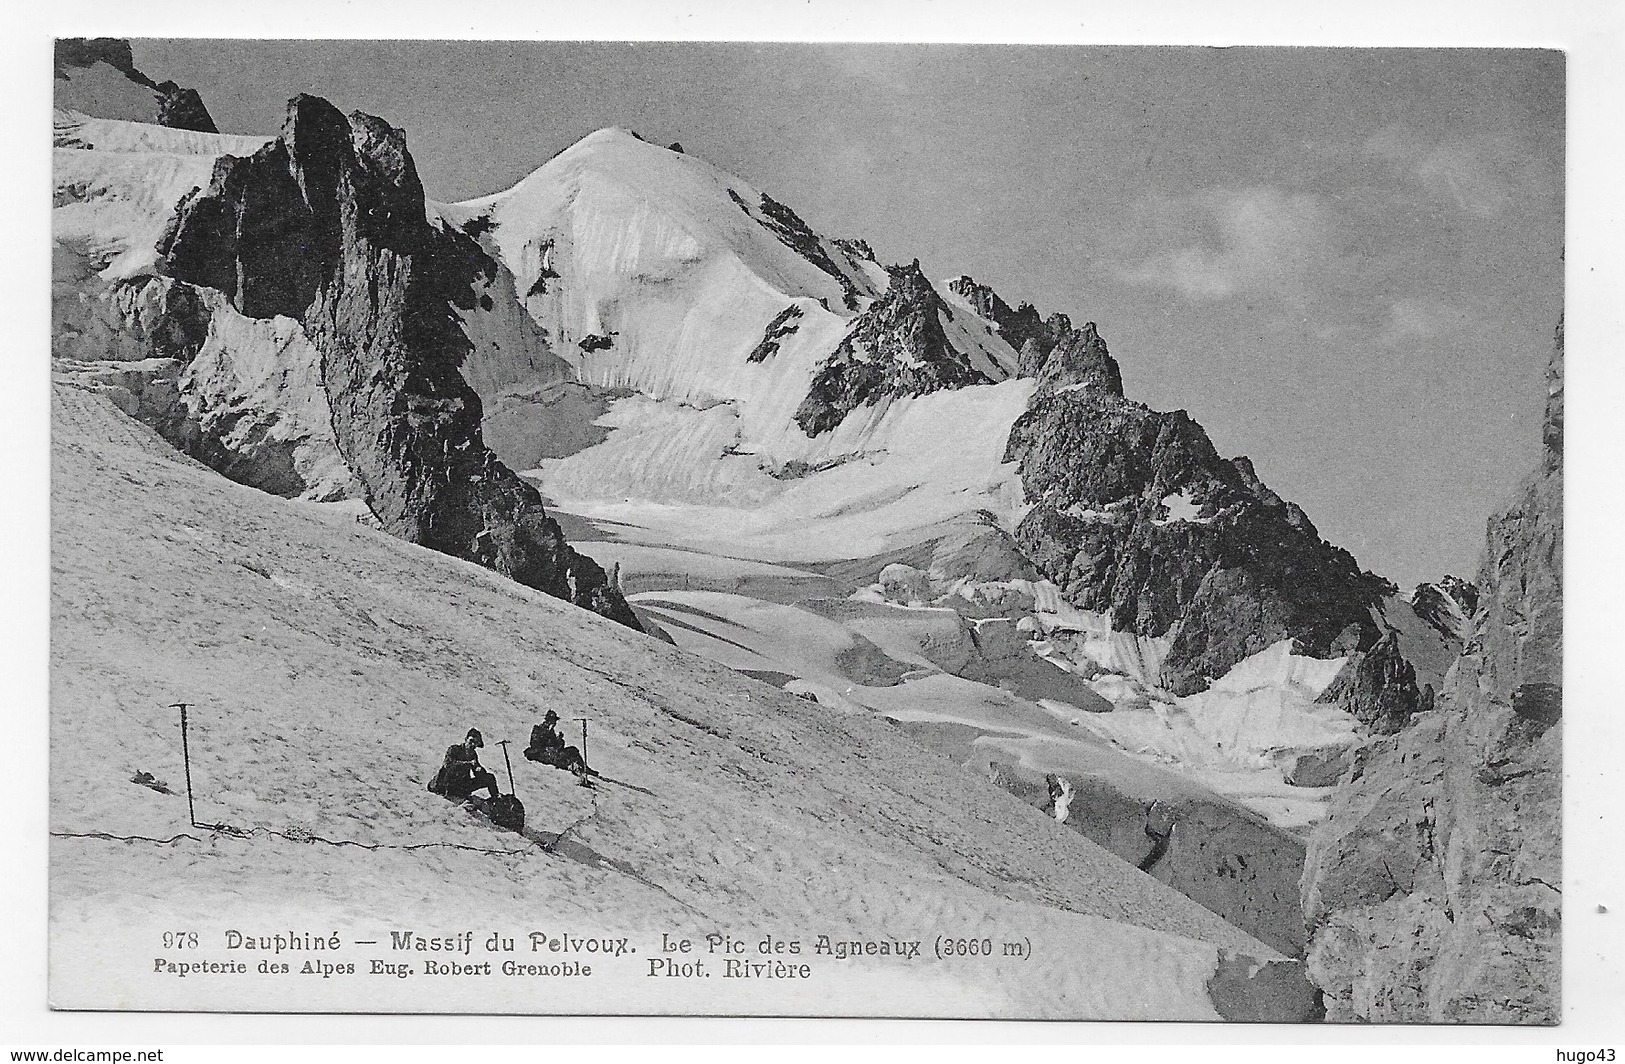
(856, 530)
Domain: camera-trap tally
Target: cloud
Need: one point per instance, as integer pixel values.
(1401, 325)
(1483, 175)
(1414, 320)
(1231, 242)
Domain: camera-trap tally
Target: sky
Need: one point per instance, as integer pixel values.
(1346, 264)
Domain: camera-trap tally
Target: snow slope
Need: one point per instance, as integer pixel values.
(328, 666)
(125, 179)
(648, 248)
(689, 476)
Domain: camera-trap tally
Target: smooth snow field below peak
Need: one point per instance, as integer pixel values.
(690, 477)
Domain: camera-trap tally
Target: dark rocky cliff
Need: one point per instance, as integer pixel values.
(326, 225)
(1136, 516)
(1433, 890)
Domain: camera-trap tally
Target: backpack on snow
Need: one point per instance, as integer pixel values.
(506, 811)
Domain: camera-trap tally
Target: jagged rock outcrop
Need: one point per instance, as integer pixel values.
(1447, 606)
(895, 348)
(326, 225)
(796, 235)
(982, 299)
(1433, 890)
(1031, 336)
(855, 249)
(1551, 433)
(1136, 516)
(1079, 359)
(1378, 687)
(183, 109)
(783, 325)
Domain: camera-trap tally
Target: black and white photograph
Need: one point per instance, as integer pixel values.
(992, 531)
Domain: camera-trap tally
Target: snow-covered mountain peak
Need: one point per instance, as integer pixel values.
(656, 272)
(636, 208)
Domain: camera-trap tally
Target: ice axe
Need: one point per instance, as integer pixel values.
(504, 744)
(584, 781)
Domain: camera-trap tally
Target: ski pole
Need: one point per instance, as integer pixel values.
(583, 721)
(186, 759)
(511, 788)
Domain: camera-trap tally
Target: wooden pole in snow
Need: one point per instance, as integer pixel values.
(583, 721)
(186, 759)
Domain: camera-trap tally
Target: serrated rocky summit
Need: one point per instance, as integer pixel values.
(1028, 334)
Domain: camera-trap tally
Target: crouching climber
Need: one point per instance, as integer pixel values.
(547, 747)
(461, 774)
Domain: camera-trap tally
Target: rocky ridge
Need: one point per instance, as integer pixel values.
(895, 348)
(1029, 335)
(1433, 888)
(783, 325)
(1136, 516)
(794, 233)
(326, 225)
(173, 106)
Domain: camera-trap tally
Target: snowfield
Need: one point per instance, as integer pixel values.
(896, 471)
(329, 666)
(127, 178)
